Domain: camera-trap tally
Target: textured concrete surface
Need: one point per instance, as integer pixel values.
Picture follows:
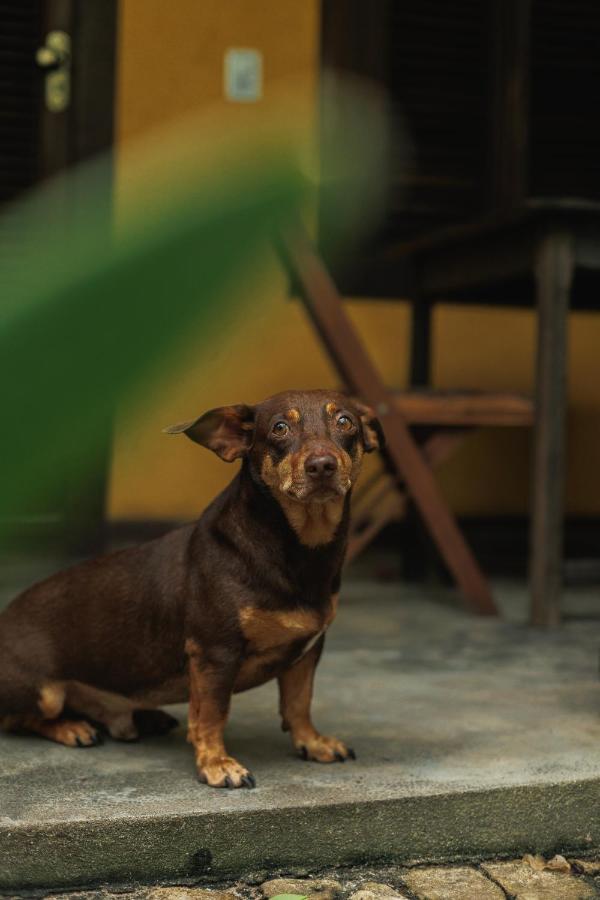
(474, 738)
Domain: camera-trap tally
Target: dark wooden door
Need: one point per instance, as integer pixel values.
(57, 76)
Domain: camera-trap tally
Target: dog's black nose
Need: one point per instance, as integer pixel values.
(320, 466)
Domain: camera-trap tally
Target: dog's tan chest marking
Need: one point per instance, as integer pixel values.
(270, 635)
(267, 629)
(328, 618)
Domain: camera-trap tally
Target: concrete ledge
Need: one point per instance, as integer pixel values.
(473, 824)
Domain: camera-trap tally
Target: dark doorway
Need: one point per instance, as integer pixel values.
(57, 85)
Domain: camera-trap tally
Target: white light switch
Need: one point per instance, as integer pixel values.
(243, 75)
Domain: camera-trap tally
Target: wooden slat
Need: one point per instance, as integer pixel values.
(383, 502)
(365, 501)
(468, 408)
(387, 495)
(388, 511)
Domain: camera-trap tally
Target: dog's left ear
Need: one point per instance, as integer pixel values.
(373, 436)
(228, 431)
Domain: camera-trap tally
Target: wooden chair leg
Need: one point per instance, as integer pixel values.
(420, 349)
(340, 338)
(554, 275)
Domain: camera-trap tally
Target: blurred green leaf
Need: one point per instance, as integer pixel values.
(88, 315)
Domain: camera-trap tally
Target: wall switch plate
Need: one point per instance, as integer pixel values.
(243, 75)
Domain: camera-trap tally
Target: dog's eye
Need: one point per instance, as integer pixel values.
(345, 423)
(280, 429)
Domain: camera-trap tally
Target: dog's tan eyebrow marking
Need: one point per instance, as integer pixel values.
(330, 408)
(293, 415)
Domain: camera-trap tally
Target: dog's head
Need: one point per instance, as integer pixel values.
(305, 446)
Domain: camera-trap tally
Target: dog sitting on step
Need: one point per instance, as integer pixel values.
(243, 595)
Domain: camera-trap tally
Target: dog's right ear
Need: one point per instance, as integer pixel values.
(228, 431)
(373, 437)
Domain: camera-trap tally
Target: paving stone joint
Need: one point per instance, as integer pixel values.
(529, 878)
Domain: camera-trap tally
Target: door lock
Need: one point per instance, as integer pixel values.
(55, 58)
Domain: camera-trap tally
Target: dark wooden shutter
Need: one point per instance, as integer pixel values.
(433, 57)
(564, 130)
(20, 121)
(20, 26)
(439, 72)
(500, 97)
(35, 143)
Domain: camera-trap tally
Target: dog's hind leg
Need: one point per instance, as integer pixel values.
(124, 719)
(49, 722)
(53, 710)
(69, 732)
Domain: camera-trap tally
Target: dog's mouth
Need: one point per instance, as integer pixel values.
(305, 492)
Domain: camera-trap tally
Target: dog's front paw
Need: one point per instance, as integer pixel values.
(324, 749)
(224, 772)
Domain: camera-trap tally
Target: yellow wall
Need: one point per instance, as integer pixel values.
(170, 62)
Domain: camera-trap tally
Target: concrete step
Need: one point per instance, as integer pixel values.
(474, 739)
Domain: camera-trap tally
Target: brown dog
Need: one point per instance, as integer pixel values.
(242, 596)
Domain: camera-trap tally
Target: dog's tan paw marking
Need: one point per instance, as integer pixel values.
(224, 772)
(72, 734)
(325, 749)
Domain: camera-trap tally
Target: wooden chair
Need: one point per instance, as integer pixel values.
(505, 208)
(544, 254)
(409, 469)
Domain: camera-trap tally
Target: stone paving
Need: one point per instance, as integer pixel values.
(529, 878)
